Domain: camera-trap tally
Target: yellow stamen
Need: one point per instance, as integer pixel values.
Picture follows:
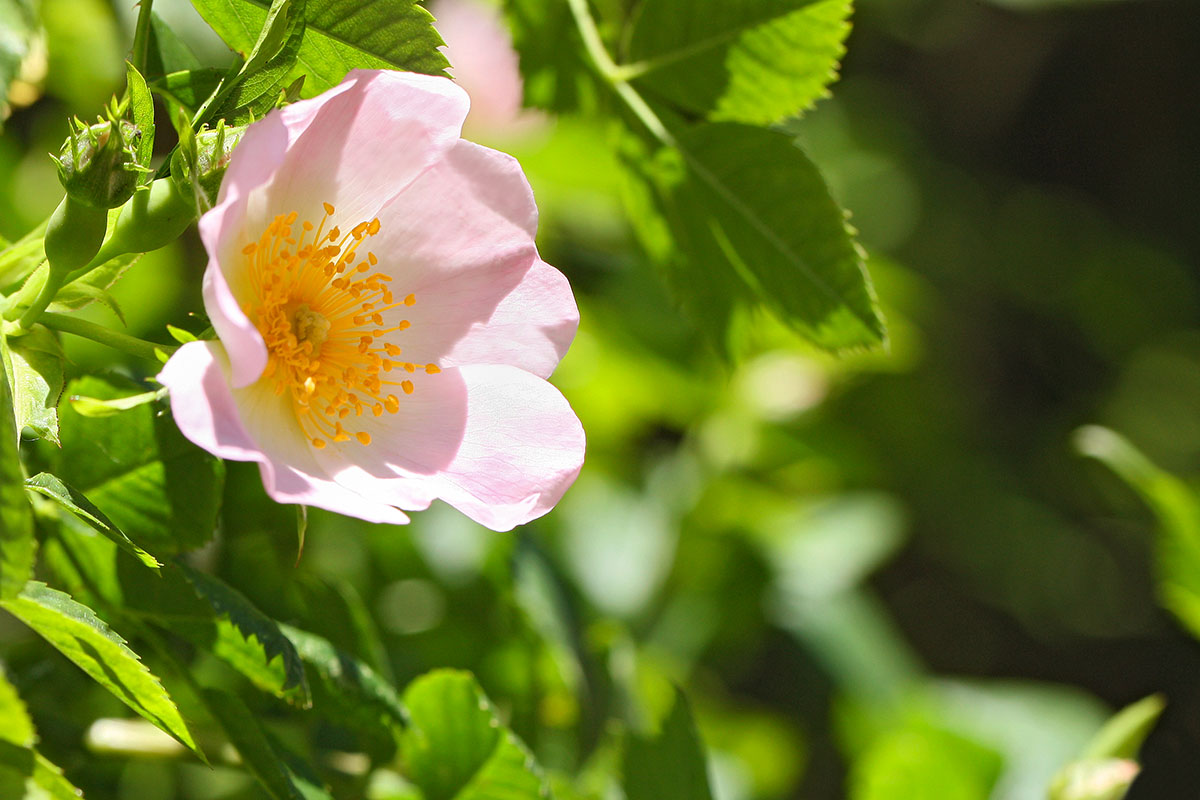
(313, 315)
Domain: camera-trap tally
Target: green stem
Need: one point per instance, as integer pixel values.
(98, 333)
(54, 282)
(141, 37)
(616, 75)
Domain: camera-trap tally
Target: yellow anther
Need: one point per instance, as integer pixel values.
(318, 443)
(392, 402)
(432, 369)
(363, 437)
(407, 386)
(328, 209)
(408, 301)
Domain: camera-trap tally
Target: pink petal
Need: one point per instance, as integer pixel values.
(460, 238)
(363, 145)
(520, 447)
(207, 414)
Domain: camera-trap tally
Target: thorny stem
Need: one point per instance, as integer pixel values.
(98, 333)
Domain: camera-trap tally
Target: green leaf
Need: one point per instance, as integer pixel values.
(920, 761)
(251, 623)
(1122, 736)
(168, 53)
(1177, 508)
(142, 106)
(155, 485)
(754, 225)
(19, 259)
(48, 485)
(259, 753)
(25, 773)
(17, 545)
(34, 364)
(91, 407)
(455, 746)
(340, 35)
(255, 88)
(15, 725)
(347, 691)
(85, 639)
(17, 28)
(189, 88)
(93, 285)
(670, 764)
(752, 61)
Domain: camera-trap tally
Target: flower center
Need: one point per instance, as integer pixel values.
(327, 323)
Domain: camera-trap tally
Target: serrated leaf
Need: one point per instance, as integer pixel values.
(754, 224)
(33, 365)
(1177, 507)
(251, 623)
(76, 631)
(27, 775)
(669, 764)
(259, 753)
(751, 61)
(340, 35)
(141, 104)
(48, 485)
(347, 691)
(17, 545)
(92, 286)
(255, 88)
(155, 485)
(455, 746)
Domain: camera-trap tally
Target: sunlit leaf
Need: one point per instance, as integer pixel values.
(754, 224)
(76, 631)
(340, 35)
(151, 482)
(752, 61)
(17, 545)
(455, 747)
(34, 364)
(48, 485)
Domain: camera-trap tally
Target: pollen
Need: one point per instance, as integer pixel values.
(327, 326)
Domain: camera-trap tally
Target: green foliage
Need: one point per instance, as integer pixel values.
(1178, 510)
(17, 544)
(924, 765)
(71, 500)
(85, 639)
(755, 226)
(261, 754)
(1108, 766)
(340, 35)
(33, 366)
(753, 61)
(455, 746)
(552, 64)
(251, 623)
(670, 763)
(140, 471)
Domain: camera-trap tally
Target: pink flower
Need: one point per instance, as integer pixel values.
(386, 325)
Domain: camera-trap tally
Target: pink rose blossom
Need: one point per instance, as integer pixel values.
(386, 324)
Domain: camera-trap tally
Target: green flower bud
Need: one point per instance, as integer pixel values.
(155, 216)
(98, 164)
(204, 167)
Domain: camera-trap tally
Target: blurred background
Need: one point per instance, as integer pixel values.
(891, 562)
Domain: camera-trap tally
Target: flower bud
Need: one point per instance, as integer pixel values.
(98, 164)
(213, 149)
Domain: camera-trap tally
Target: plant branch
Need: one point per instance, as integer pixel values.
(98, 333)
